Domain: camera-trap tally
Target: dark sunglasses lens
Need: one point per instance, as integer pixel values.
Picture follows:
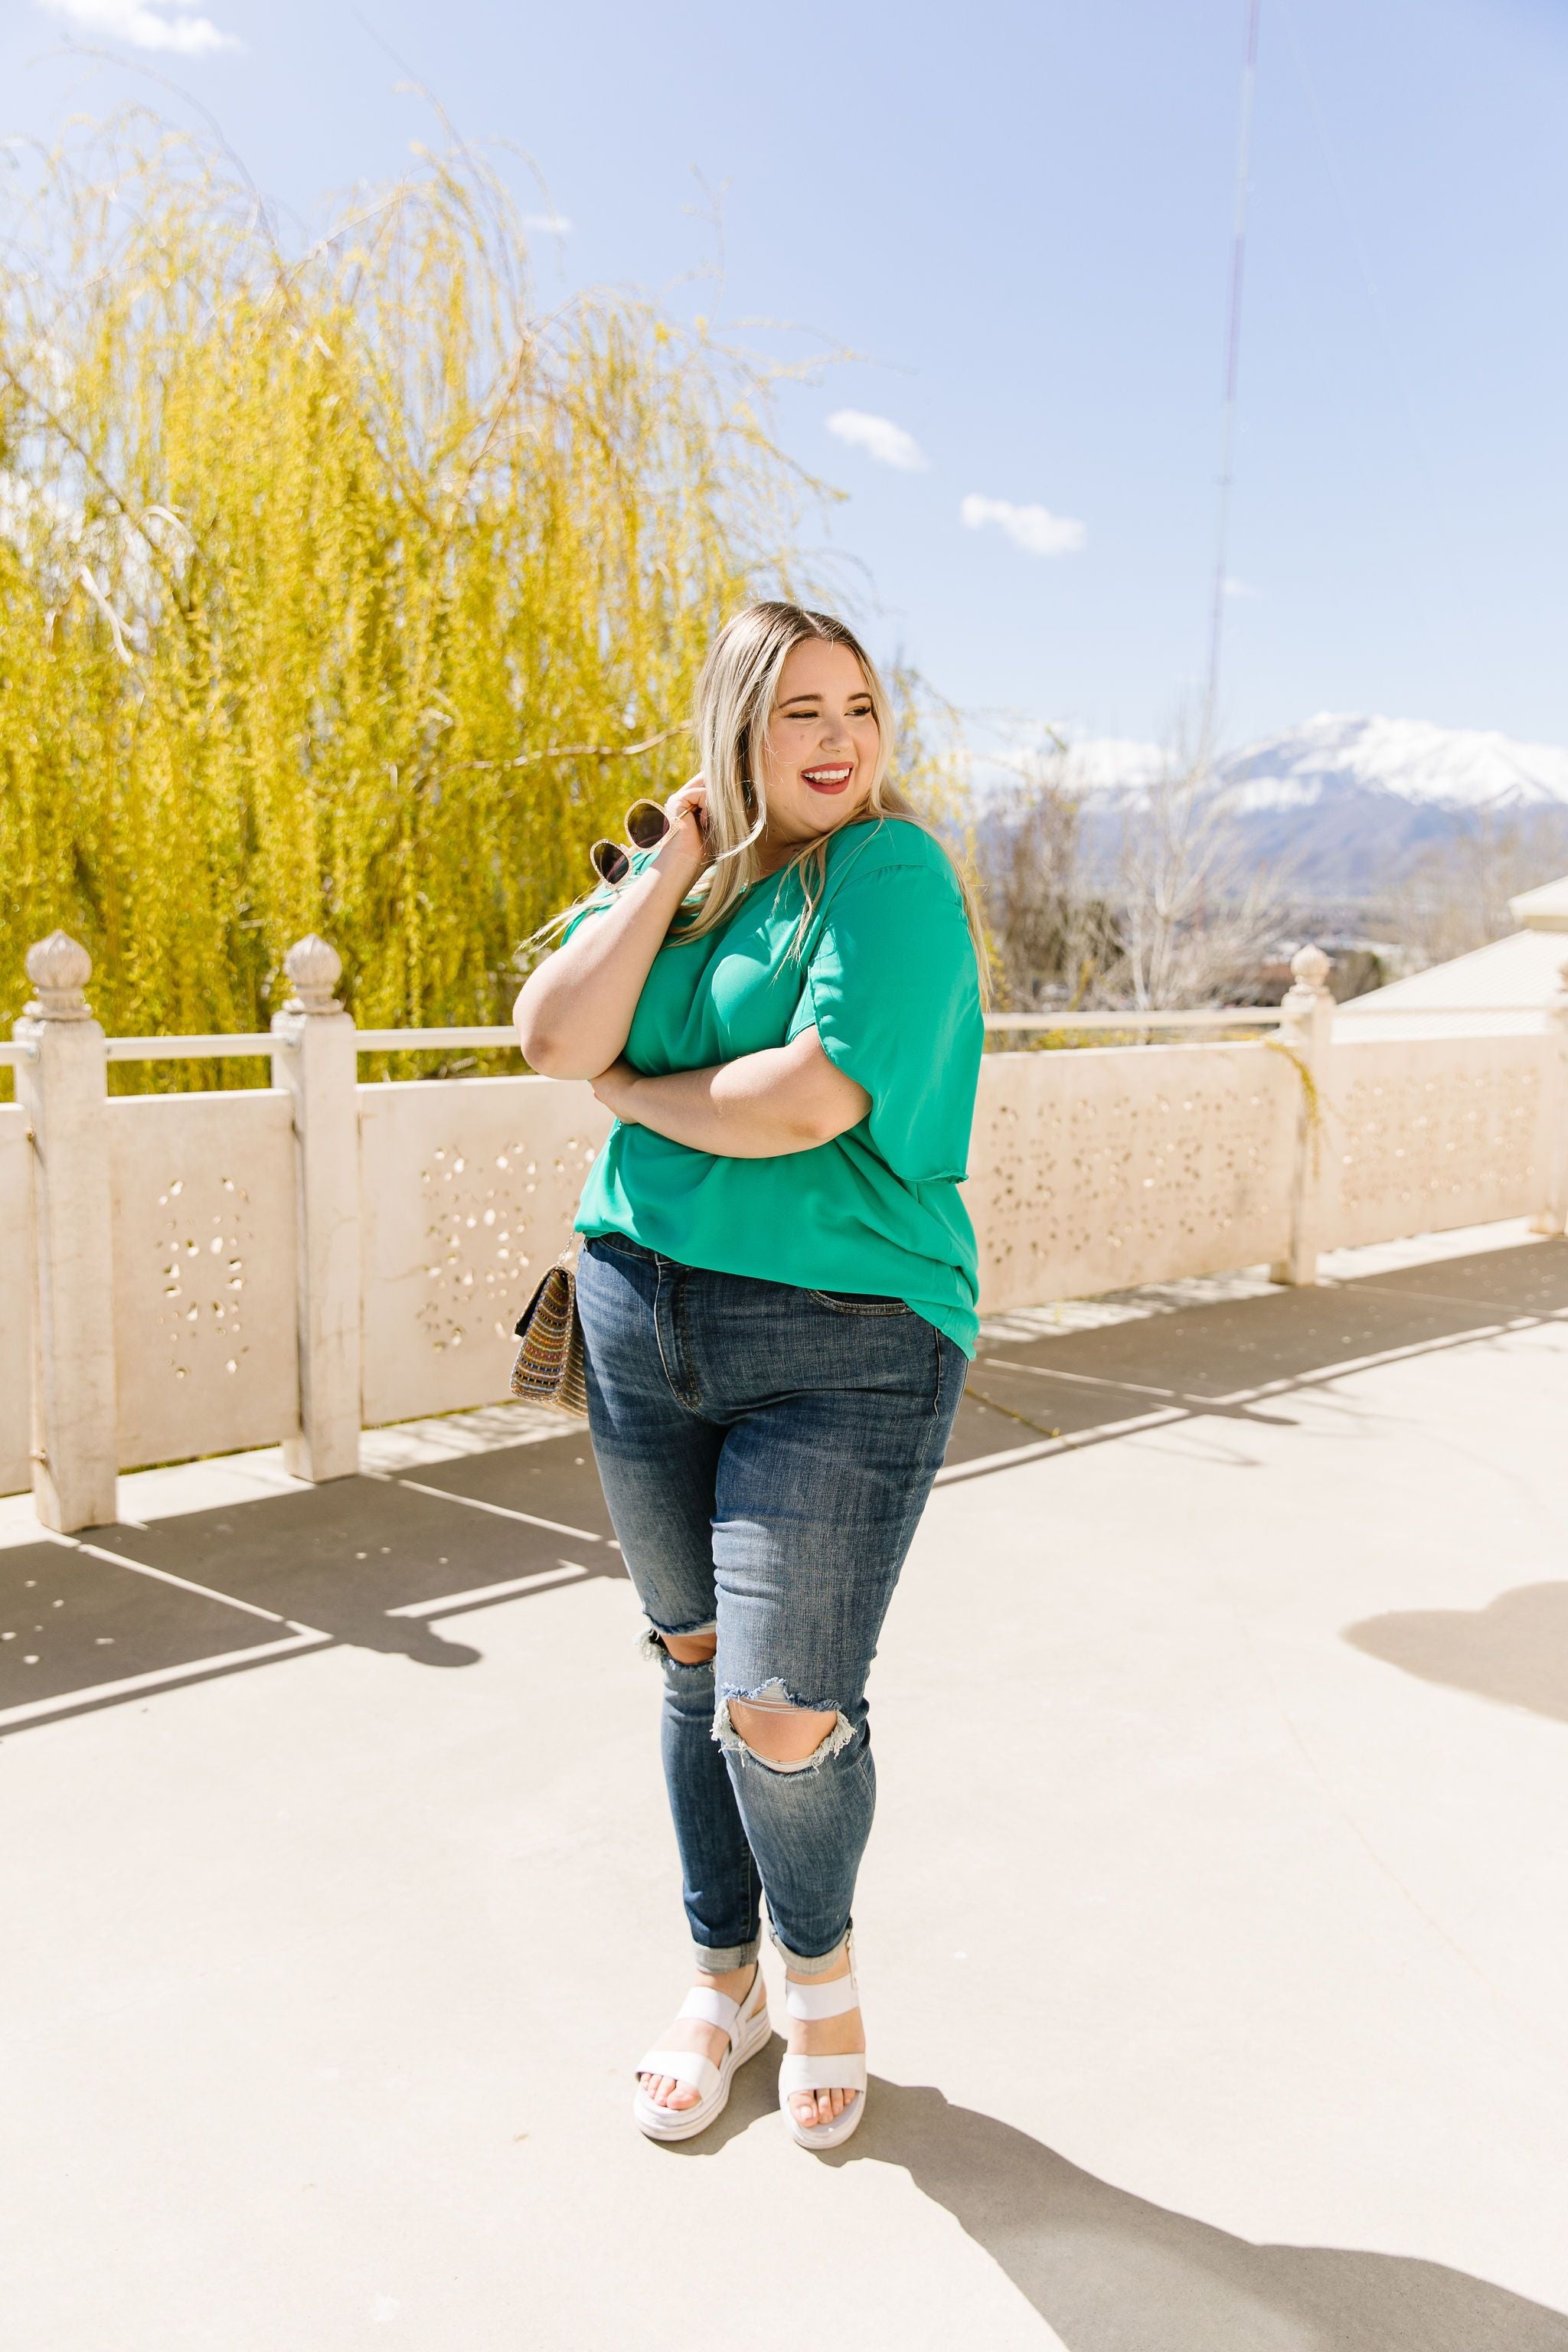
(611, 863)
(647, 824)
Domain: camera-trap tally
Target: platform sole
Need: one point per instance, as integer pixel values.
(820, 2137)
(674, 2124)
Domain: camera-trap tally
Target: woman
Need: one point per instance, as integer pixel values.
(782, 1005)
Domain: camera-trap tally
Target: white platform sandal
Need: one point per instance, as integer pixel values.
(745, 2022)
(845, 2073)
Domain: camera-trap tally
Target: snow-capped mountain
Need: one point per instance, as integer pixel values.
(1449, 767)
(1347, 802)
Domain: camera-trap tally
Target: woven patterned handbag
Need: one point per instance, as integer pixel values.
(549, 1367)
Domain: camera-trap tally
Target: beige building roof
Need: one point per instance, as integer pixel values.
(1545, 909)
(1505, 985)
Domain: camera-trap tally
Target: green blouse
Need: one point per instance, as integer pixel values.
(886, 976)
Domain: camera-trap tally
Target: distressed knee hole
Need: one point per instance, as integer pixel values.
(695, 1649)
(770, 1727)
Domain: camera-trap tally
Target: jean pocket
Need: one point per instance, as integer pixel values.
(857, 1302)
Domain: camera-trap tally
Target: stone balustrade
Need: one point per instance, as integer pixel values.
(193, 1273)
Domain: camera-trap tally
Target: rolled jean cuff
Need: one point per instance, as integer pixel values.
(805, 1968)
(717, 1960)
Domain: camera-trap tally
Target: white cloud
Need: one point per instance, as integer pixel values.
(881, 438)
(1234, 587)
(146, 23)
(1033, 529)
(548, 223)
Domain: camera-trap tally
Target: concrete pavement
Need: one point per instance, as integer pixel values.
(1213, 1936)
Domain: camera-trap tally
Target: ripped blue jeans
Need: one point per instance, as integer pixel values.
(767, 1453)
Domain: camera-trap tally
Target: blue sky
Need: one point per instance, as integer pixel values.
(1018, 216)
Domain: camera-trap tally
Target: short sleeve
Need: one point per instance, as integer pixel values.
(893, 992)
(604, 897)
(599, 904)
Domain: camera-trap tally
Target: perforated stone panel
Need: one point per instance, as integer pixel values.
(1425, 1133)
(16, 1299)
(205, 1277)
(1095, 1169)
(469, 1187)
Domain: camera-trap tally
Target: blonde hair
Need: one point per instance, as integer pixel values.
(735, 699)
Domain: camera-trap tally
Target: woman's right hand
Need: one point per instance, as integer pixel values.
(574, 1013)
(687, 847)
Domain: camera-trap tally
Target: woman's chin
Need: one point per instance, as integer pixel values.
(827, 811)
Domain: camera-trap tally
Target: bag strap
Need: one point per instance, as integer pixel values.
(567, 1261)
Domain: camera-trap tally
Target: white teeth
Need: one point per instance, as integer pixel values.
(825, 775)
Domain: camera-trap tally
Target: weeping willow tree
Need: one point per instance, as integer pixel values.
(342, 590)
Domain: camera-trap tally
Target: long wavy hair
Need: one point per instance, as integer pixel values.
(735, 699)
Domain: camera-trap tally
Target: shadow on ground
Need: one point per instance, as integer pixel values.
(376, 1562)
(1515, 1650)
(1238, 1360)
(1111, 2273)
(369, 1562)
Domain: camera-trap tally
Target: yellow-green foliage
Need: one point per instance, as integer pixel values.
(334, 588)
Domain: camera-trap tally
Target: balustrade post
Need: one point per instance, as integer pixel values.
(1553, 1218)
(64, 1088)
(314, 1060)
(1307, 1033)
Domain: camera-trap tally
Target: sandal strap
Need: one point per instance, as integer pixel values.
(713, 2008)
(683, 2066)
(822, 1999)
(845, 2074)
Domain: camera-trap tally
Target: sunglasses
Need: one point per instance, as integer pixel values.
(645, 824)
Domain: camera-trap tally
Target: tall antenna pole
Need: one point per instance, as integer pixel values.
(1232, 355)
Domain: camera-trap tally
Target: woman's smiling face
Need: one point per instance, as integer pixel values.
(823, 744)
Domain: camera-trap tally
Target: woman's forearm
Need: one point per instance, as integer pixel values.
(730, 1111)
(574, 1013)
(761, 1106)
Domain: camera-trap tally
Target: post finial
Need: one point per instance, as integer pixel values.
(315, 968)
(1311, 968)
(59, 969)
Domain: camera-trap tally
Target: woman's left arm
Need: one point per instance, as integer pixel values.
(788, 1098)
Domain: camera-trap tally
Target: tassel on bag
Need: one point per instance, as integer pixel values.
(549, 1367)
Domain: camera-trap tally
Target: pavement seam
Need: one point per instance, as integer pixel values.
(1199, 1408)
(184, 1583)
(498, 1510)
